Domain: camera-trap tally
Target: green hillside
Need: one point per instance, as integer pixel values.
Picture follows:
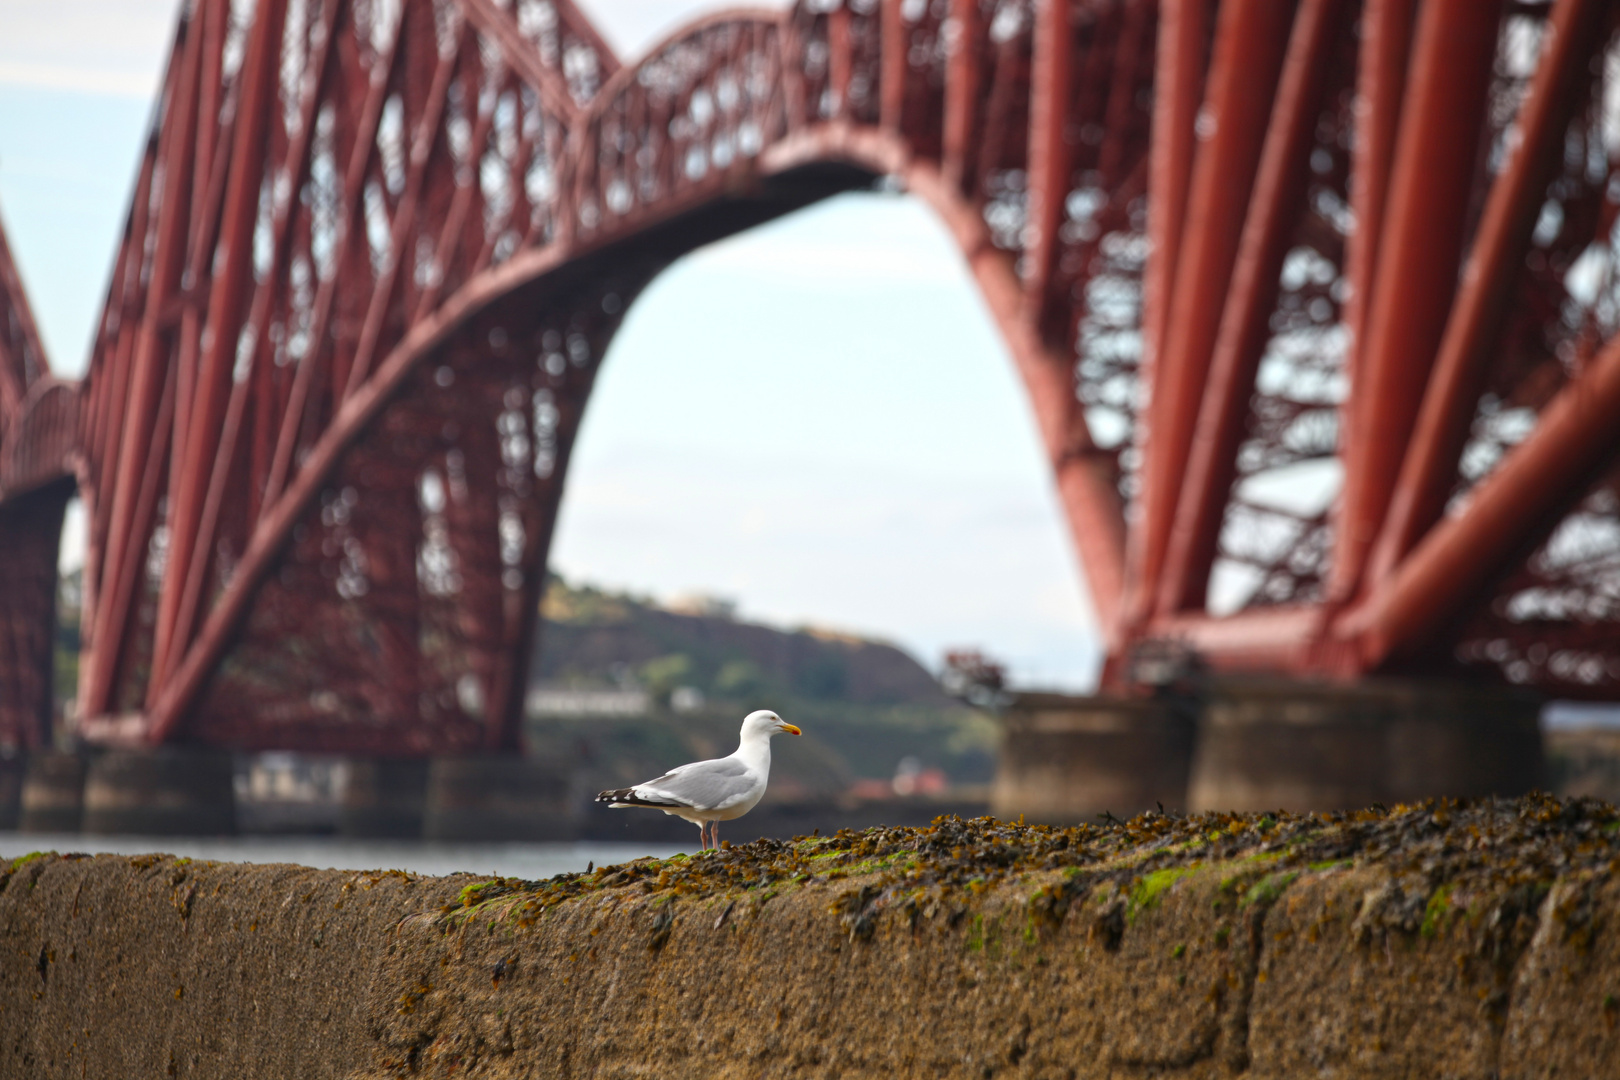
(864, 705)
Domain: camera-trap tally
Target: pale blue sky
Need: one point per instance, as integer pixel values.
(816, 418)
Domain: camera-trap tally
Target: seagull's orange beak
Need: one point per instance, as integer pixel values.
(791, 730)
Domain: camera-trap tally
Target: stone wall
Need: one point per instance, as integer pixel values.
(1443, 940)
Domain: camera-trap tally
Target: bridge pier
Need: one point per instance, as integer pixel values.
(384, 799)
(13, 768)
(1066, 759)
(1295, 745)
(52, 795)
(499, 798)
(1267, 744)
(163, 791)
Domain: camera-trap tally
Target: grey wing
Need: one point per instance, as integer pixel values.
(703, 785)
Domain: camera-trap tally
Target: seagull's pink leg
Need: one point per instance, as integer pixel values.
(714, 832)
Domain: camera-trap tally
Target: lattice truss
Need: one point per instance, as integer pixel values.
(1314, 303)
(325, 180)
(1277, 530)
(351, 329)
(36, 438)
(1394, 359)
(1556, 618)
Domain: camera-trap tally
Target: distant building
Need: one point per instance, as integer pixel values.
(703, 606)
(686, 699)
(284, 792)
(565, 701)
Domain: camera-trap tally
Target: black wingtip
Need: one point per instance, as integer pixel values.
(628, 797)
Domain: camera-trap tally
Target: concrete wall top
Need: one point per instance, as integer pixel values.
(1366, 944)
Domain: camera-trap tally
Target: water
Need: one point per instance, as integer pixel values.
(528, 861)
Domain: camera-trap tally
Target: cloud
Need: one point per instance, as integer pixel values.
(924, 560)
(634, 26)
(110, 47)
(79, 79)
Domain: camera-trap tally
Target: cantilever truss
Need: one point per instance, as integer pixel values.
(38, 437)
(1315, 303)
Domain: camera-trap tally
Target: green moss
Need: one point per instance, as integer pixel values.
(471, 895)
(975, 936)
(964, 860)
(1245, 868)
(1178, 952)
(1268, 888)
(1437, 911)
(23, 860)
(871, 866)
(1330, 864)
(1151, 887)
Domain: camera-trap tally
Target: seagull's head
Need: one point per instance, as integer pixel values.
(766, 723)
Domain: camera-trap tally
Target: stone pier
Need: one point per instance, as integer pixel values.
(500, 798)
(1293, 745)
(1266, 744)
(13, 769)
(1067, 759)
(52, 797)
(385, 798)
(163, 791)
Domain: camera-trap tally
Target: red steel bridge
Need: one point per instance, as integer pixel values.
(1316, 305)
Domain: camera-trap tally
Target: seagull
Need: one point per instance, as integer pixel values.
(709, 792)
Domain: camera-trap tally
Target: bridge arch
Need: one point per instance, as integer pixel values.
(571, 309)
(359, 227)
(384, 596)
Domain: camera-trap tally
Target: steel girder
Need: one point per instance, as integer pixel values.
(376, 252)
(38, 439)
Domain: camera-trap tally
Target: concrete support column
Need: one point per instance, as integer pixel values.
(52, 798)
(1064, 759)
(13, 767)
(163, 791)
(1293, 745)
(384, 799)
(500, 798)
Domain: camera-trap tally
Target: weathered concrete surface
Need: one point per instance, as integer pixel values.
(154, 967)
(1438, 941)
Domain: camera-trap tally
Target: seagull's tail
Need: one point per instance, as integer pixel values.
(623, 797)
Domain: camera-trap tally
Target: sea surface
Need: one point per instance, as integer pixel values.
(529, 861)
